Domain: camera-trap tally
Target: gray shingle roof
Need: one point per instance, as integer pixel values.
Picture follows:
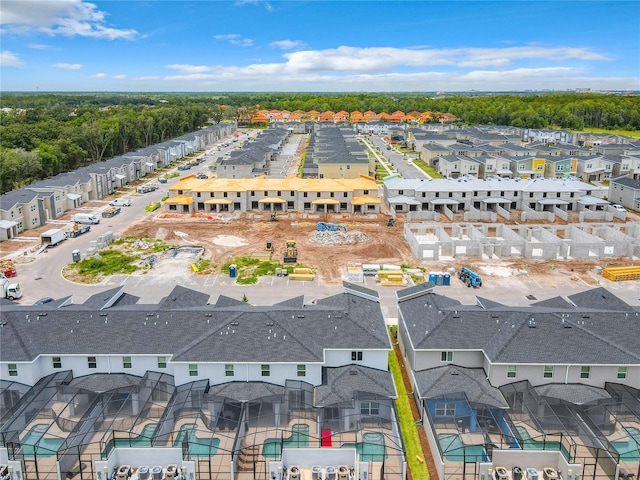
(246, 391)
(452, 379)
(574, 393)
(594, 333)
(234, 333)
(343, 383)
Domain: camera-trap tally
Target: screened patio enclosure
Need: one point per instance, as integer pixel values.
(231, 430)
(599, 429)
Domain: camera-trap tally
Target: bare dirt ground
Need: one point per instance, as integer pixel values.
(224, 240)
(226, 236)
(248, 233)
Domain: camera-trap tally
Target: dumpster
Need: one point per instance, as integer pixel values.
(233, 271)
(75, 255)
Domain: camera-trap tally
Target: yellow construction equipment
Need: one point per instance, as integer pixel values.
(268, 246)
(290, 252)
(618, 274)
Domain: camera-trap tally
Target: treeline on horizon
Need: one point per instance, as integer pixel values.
(43, 134)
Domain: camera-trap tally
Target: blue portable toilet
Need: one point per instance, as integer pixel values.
(440, 279)
(233, 271)
(446, 281)
(433, 277)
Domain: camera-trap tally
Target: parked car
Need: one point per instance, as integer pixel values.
(620, 208)
(162, 180)
(120, 202)
(202, 176)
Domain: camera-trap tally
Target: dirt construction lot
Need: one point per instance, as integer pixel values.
(242, 235)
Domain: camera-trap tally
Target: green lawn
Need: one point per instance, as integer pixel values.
(408, 427)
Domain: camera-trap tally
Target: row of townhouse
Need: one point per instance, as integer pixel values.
(472, 193)
(326, 195)
(328, 116)
(34, 205)
(554, 384)
(336, 152)
(531, 161)
(105, 382)
(254, 158)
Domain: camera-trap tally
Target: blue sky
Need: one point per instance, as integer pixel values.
(306, 46)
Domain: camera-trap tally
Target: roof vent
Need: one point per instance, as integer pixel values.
(208, 314)
(300, 316)
(235, 324)
(353, 372)
(269, 324)
(532, 323)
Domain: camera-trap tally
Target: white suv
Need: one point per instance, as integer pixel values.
(620, 208)
(120, 202)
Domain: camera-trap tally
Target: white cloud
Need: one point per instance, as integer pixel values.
(67, 66)
(100, 75)
(9, 59)
(287, 44)
(147, 77)
(120, 76)
(184, 68)
(60, 17)
(234, 39)
(40, 46)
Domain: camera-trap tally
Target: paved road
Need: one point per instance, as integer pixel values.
(397, 159)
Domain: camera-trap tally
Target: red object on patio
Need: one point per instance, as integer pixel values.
(325, 439)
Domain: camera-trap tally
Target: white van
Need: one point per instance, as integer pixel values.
(120, 202)
(85, 218)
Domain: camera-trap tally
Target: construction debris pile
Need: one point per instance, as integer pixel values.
(142, 244)
(338, 238)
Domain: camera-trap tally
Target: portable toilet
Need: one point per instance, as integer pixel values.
(233, 271)
(446, 279)
(433, 277)
(440, 279)
(75, 255)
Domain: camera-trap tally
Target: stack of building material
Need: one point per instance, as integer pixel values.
(355, 274)
(304, 274)
(618, 274)
(391, 278)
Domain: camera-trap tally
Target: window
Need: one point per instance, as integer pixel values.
(369, 408)
(512, 371)
(304, 194)
(400, 192)
(13, 369)
(445, 409)
(366, 192)
(278, 193)
(302, 371)
(446, 357)
(126, 362)
(356, 356)
(228, 370)
(266, 194)
(193, 369)
(266, 371)
(622, 373)
(318, 194)
(57, 362)
(345, 194)
(162, 362)
(548, 372)
(92, 362)
(585, 372)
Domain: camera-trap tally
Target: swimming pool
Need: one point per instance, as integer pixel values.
(33, 443)
(629, 449)
(456, 451)
(530, 443)
(372, 448)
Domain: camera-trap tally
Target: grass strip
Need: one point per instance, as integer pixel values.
(408, 426)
